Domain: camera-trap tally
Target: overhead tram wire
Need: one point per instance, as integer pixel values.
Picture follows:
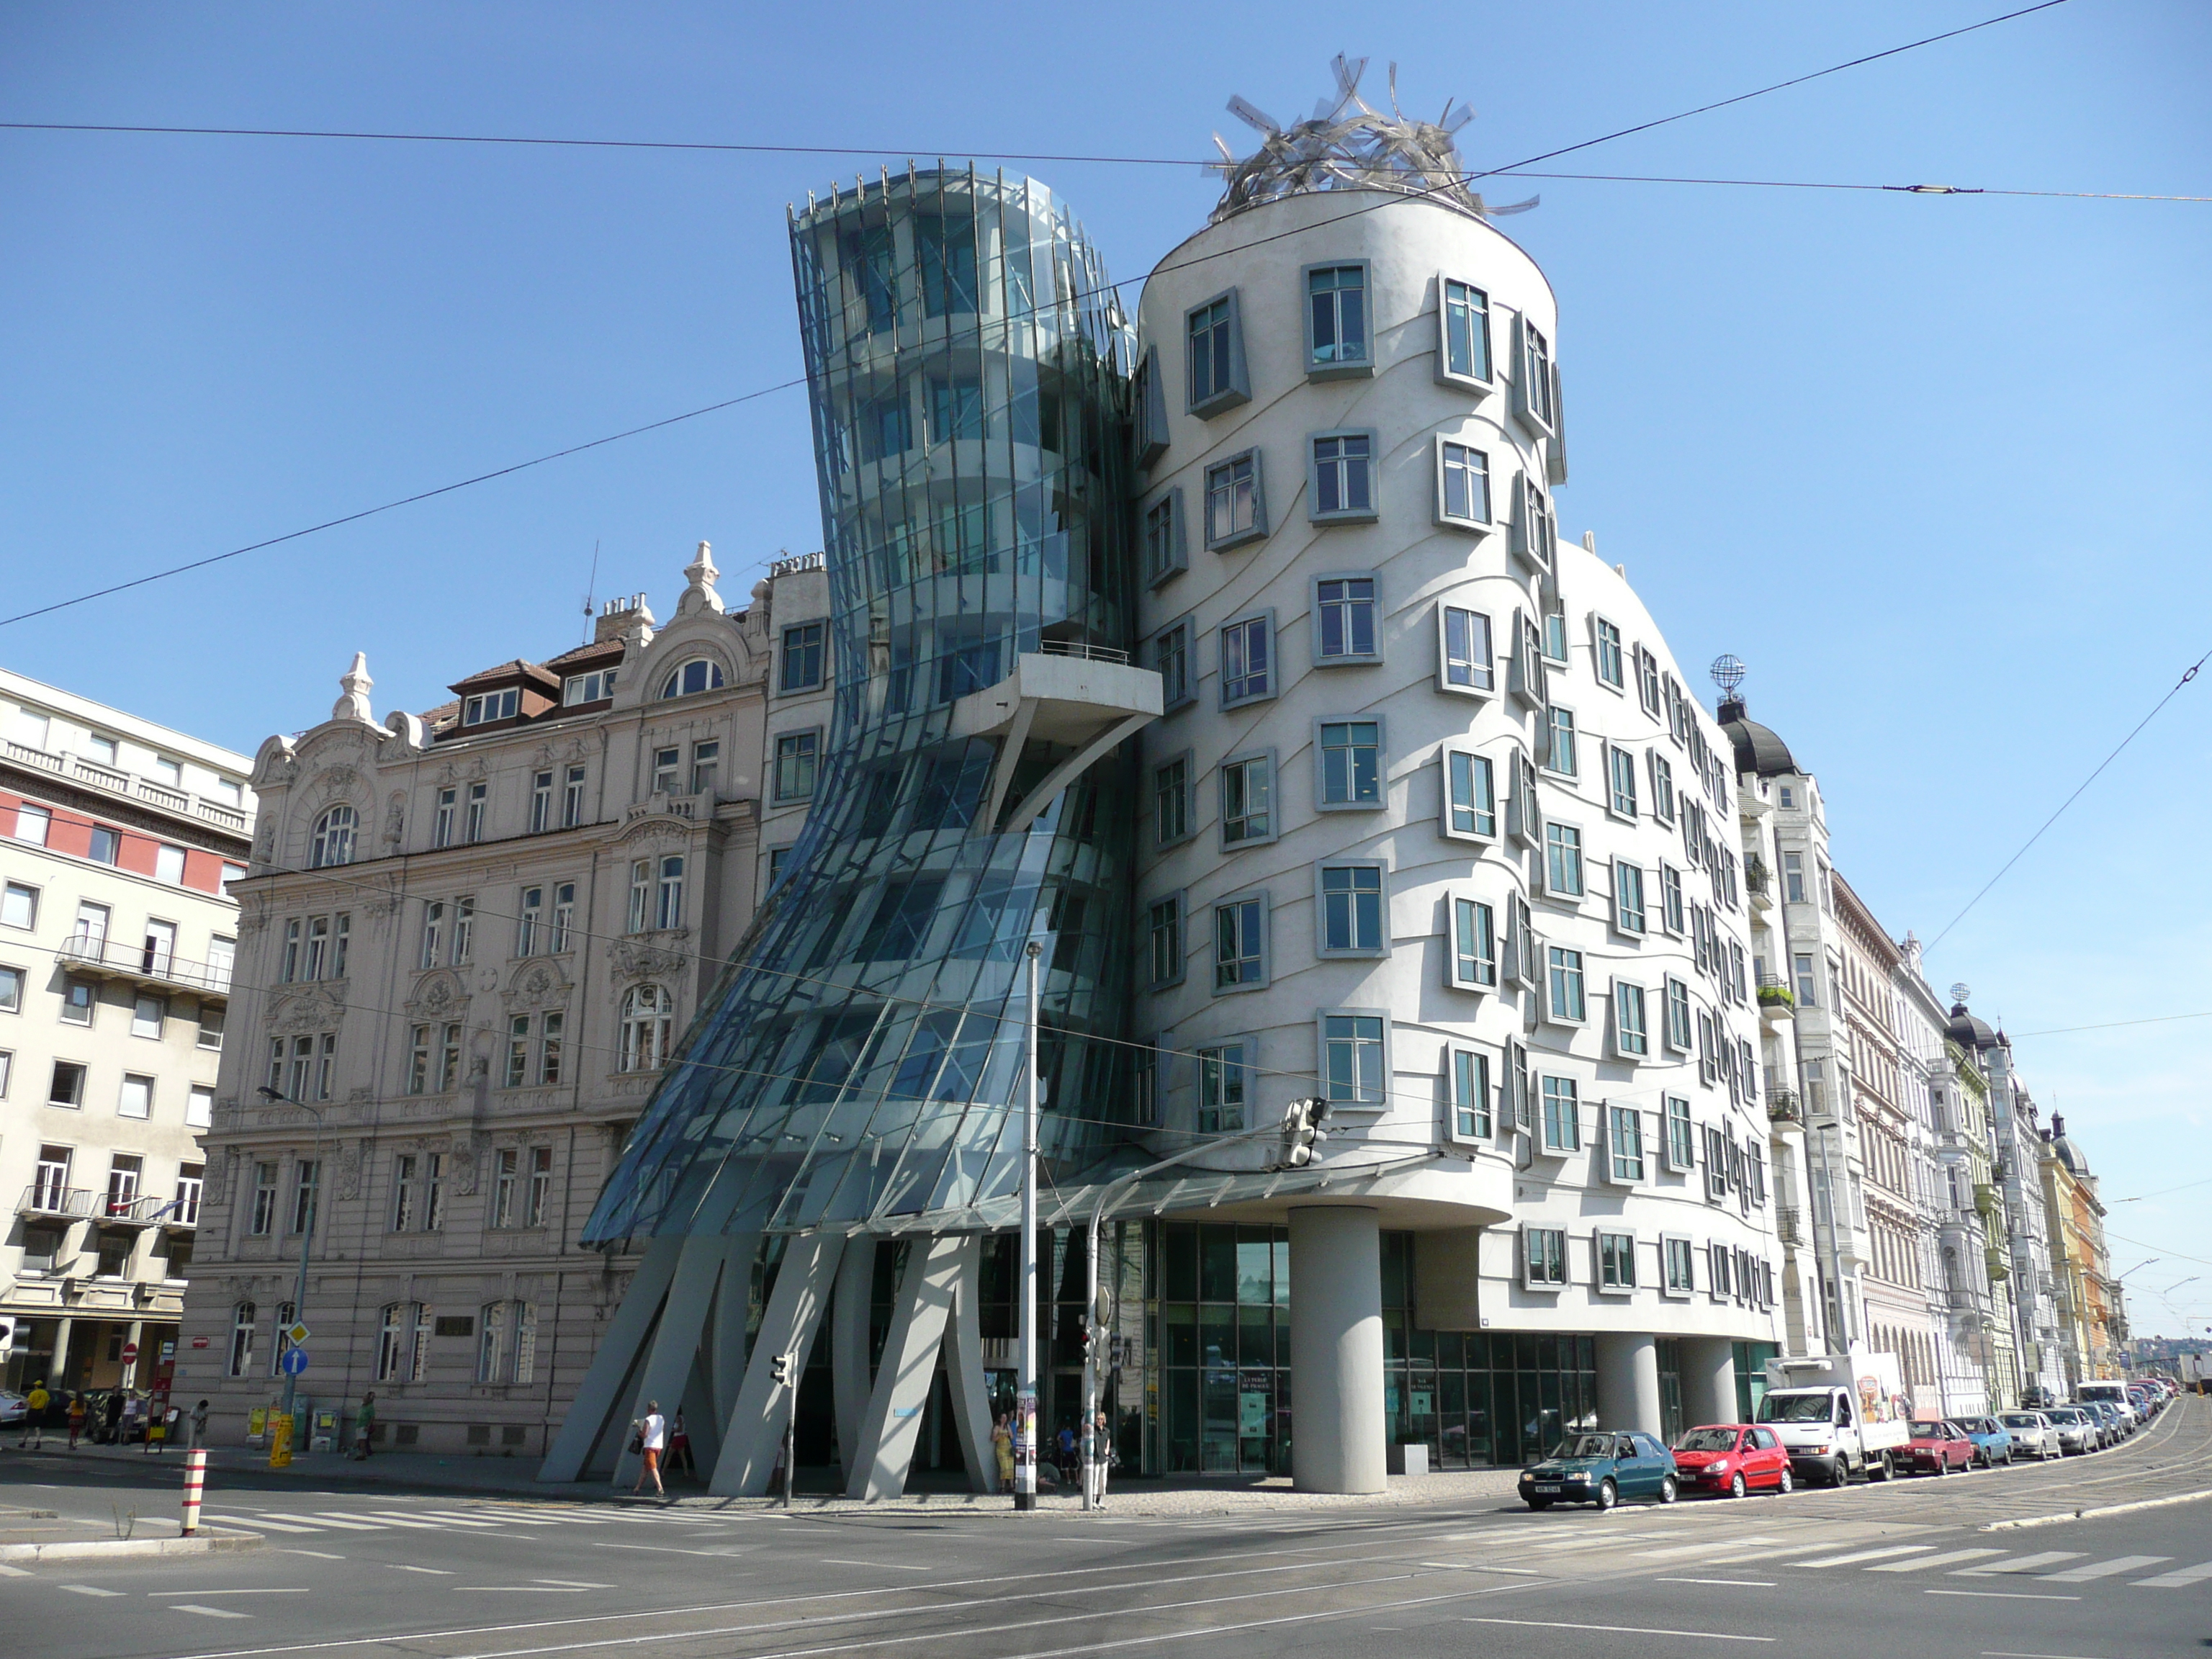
(1392, 200)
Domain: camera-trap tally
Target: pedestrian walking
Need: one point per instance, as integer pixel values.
(1002, 1450)
(34, 1418)
(198, 1436)
(364, 1424)
(110, 1417)
(75, 1418)
(1103, 1458)
(1064, 1443)
(649, 1439)
(679, 1446)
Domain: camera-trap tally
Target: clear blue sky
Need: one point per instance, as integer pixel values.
(1934, 467)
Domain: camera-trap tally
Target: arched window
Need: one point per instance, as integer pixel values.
(699, 674)
(333, 841)
(649, 1020)
(241, 1339)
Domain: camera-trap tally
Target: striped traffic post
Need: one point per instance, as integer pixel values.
(195, 1480)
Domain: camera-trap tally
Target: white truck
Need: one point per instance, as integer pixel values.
(1839, 1415)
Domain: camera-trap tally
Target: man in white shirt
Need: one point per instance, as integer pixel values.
(651, 1437)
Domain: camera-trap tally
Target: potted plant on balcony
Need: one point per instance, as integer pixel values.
(1776, 996)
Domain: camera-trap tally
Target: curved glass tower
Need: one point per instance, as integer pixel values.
(858, 1063)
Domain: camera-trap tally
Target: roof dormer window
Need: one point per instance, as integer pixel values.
(491, 706)
(688, 678)
(587, 687)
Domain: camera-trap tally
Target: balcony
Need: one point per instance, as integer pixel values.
(1789, 1223)
(144, 965)
(128, 785)
(51, 1198)
(1783, 1106)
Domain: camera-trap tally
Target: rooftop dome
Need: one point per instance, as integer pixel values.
(1757, 749)
(1967, 1031)
(2067, 1152)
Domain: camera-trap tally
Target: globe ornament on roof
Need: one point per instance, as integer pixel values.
(1348, 144)
(1728, 672)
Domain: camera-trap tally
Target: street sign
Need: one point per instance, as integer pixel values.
(297, 1334)
(199, 1342)
(294, 1362)
(129, 1352)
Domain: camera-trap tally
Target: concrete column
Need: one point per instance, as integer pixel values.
(131, 1338)
(964, 1369)
(616, 1359)
(884, 1456)
(1708, 1381)
(1627, 1381)
(1336, 1350)
(850, 1311)
(754, 1434)
(58, 1362)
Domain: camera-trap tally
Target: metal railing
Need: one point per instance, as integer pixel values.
(1783, 1106)
(1789, 1223)
(144, 962)
(117, 782)
(51, 1198)
(1084, 649)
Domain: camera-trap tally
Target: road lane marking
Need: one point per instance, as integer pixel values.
(1744, 1583)
(273, 1524)
(2002, 1595)
(900, 1567)
(1710, 1546)
(392, 1520)
(281, 1589)
(1950, 1558)
(401, 1566)
(2177, 1577)
(14, 1572)
(673, 1549)
(1854, 1559)
(2022, 1564)
(1477, 1566)
(326, 1518)
(1620, 1630)
(208, 1612)
(320, 1555)
(2102, 1568)
(87, 1589)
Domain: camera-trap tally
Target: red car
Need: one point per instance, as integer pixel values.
(1937, 1448)
(1731, 1457)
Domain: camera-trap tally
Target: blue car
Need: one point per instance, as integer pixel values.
(1992, 1440)
(1601, 1467)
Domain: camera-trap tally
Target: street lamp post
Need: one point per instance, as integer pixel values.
(306, 1236)
(1025, 1388)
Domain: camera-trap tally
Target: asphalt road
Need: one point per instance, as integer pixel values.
(1907, 1569)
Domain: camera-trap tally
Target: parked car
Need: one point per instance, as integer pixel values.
(2032, 1433)
(2114, 1394)
(1937, 1447)
(13, 1408)
(2077, 1430)
(2108, 1419)
(1992, 1440)
(1733, 1458)
(1601, 1467)
(2139, 1396)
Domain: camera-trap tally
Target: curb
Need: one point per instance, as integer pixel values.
(102, 1549)
(2096, 1514)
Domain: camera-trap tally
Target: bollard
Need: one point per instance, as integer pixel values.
(195, 1480)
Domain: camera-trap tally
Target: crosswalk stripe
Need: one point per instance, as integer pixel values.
(487, 1518)
(390, 1519)
(1924, 1562)
(208, 1612)
(449, 1518)
(251, 1520)
(343, 1522)
(2024, 1563)
(1854, 1559)
(2103, 1569)
(1710, 1546)
(2177, 1577)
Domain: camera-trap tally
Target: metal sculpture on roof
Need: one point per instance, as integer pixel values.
(1349, 145)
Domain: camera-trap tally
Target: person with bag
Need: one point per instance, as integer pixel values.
(648, 1438)
(1002, 1451)
(364, 1424)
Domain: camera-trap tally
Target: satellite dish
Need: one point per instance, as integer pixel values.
(1962, 991)
(1727, 673)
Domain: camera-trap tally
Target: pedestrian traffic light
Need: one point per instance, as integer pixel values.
(786, 1369)
(1302, 1128)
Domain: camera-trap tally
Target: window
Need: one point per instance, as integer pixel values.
(1620, 765)
(1563, 860)
(319, 945)
(1611, 669)
(1647, 684)
(1217, 355)
(199, 1107)
(1164, 554)
(1680, 1277)
(341, 941)
(1793, 877)
(1631, 1021)
(506, 1185)
(1164, 930)
(1353, 1064)
(1677, 996)
(1563, 1126)
(572, 798)
(1563, 976)
(1235, 512)
(691, 679)
(333, 844)
(1336, 321)
(1171, 657)
(1247, 793)
(491, 706)
(1473, 944)
(1628, 915)
(11, 990)
(1681, 1139)
(540, 1189)
(1543, 1257)
(1240, 943)
(1148, 413)
(1671, 912)
(434, 926)
(1532, 377)
(19, 906)
(1616, 1261)
(667, 764)
(395, 1346)
(32, 822)
(1536, 532)
(1464, 648)
(79, 998)
(541, 802)
(1623, 1144)
(564, 916)
(1345, 619)
(1342, 477)
(1470, 795)
(551, 1028)
(796, 757)
(244, 1318)
(1351, 911)
(1470, 1093)
(587, 687)
(1463, 332)
(1222, 1073)
(1462, 487)
(1806, 983)
(1721, 1261)
(529, 921)
(1521, 949)
(518, 1050)
(136, 1099)
(640, 895)
(668, 893)
(1351, 756)
(1171, 801)
(261, 1213)
(465, 928)
(147, 1014)
(1246, 671)
(1555, 638)
(800, 669)
(1560, 751)
(649, 1025)
(108, 845)
(307, 1192)
(441, 822)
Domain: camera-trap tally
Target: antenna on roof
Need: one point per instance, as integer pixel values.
(590, 587)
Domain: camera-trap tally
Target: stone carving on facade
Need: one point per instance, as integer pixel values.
(662, 955)
(541, 983)
(353, 686)
(317, 1008)
(468, 1160)
(439, 994)
(350, 1155)
(395, 818)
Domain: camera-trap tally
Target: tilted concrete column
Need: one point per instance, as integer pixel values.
(1336, 1350)
(1708, 1381)
(618, 1355)
(849, 1315)
(1627, 1380)
(885, 1456)
(964, 1369)
(755, 1431)
(676, 1341)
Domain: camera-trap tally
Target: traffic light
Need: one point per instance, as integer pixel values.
(786, 1369)
(1302, 1128)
